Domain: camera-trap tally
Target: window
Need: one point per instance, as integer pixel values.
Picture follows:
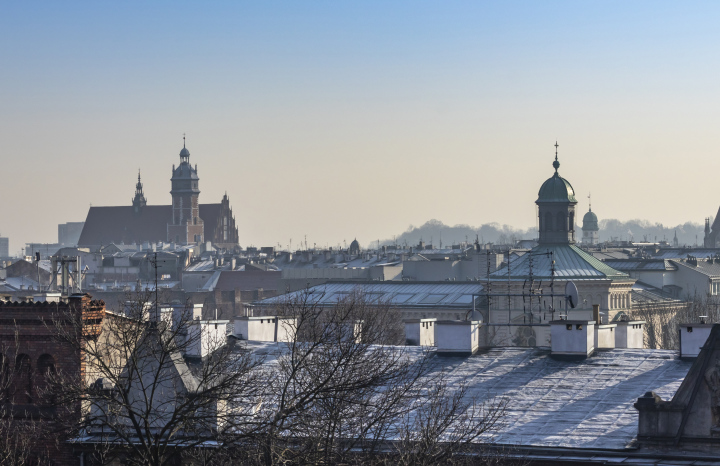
(46, 364)
(548, 222)
(23, 381)
(561, 221)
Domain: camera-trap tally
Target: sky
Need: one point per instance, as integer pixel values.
(342, 120)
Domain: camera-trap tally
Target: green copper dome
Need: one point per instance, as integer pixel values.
(556, 189)
(590, 221)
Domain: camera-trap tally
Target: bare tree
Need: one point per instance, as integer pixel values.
(158, 387)
(344, 392)
(154, 386)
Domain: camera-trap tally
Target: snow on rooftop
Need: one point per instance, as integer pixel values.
(553, 403)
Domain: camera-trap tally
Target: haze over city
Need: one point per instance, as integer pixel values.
(338, 120)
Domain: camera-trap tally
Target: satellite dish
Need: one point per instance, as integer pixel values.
(571, 294)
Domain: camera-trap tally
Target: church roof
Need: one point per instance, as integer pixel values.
(716, 223)
(571, 263)
(120, 224)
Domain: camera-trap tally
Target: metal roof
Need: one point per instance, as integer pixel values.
(571, 262)
(711, 269)
(640, 264)
(399, 294)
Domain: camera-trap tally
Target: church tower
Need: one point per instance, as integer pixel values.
(590, 227)
(139, 200)
(556, 209)
(186, 226)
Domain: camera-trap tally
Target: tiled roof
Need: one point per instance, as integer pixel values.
(120, 224)
(571, 262)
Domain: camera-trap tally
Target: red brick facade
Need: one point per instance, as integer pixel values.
(30, 348)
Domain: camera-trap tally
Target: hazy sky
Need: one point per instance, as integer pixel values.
(343, 119)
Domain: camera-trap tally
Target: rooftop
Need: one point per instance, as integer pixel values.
(399, 294)
(571, 262)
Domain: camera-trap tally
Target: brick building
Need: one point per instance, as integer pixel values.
(31, 349)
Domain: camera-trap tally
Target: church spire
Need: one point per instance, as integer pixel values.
(139, 200)
(556, 164)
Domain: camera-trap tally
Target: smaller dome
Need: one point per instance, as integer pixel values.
(354, 246)
(556, 189)
(184, 152)
(590, 221)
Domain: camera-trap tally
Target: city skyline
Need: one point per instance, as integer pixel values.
(342, 121)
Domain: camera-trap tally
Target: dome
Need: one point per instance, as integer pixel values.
(590, 221)
(556, 189)
(354, 246)
(184, 152)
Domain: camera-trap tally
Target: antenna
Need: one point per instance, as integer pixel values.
(571, 294)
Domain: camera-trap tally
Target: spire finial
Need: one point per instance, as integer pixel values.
(138, 175)
(589, 203)
(184, 141)
(556, 164)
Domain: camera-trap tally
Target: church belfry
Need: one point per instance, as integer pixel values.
(139, 200)
(186, 226)
(556, 209)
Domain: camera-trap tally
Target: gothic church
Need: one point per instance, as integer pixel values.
(185, 221)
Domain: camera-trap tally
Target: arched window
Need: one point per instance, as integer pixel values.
(561, 225)
(46, 365)
(548, 222)
(571, 223)
(23, 379)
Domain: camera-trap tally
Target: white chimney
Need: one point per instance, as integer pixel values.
(457, 337)
(629, 334)
(420, 332)
(205, 336)
(572, 338)
(692, 338)
(605, 336)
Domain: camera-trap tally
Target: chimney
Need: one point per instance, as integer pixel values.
(629, 334)
(205, 336)
(420, 332)
(692, 338)
(572, 339)
(457, 337)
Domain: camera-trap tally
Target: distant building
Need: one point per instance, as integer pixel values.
(590, 228)
(69, 233)
(184, 221)
(4, 247)
(711, 232)
(528, 293)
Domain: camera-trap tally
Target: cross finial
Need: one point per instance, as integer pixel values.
(183, 140)
(589, 203)
(556, 164)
